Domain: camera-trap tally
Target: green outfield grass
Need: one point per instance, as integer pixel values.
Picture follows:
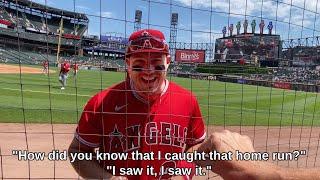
(221, 103)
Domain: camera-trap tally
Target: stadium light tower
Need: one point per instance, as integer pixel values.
(137, 20)
(173, 34)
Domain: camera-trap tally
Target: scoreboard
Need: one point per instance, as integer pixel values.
(256, 49)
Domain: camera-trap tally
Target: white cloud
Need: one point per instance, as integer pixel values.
(182, 26)
(142, 7)
(82, 8)
(106, 14)
(302, 12)
(236, 6)
(204, 37)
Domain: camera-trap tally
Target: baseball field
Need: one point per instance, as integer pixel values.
(36, 98)
(38, 116)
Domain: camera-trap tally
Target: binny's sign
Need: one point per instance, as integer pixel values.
(190, 56)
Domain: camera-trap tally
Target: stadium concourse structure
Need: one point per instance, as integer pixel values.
(286, 63)
(34, 32)
(34, 29)
(31, 33)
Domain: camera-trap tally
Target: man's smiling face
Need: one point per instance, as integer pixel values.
(148, 72)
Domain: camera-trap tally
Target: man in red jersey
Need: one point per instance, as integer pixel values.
(145, 113)
(45, 65)
(63, 75)
(75, 69)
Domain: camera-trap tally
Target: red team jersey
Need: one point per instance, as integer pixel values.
(65, 67)
(75, 67)
(45, 64)
(118, 120)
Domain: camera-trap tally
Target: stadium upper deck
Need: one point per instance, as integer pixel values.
(39, 24)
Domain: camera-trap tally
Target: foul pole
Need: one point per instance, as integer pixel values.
(59, 41)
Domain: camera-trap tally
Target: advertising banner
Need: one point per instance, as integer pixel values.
(282, 85)
(190, 56)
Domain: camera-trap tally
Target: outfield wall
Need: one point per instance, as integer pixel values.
(274, 84)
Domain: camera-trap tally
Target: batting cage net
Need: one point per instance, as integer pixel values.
(91, 72)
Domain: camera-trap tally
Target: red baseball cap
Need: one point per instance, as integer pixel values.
(147, 40)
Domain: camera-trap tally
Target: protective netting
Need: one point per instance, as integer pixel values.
(253, 66)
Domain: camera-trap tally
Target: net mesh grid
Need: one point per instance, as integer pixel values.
(296, 125)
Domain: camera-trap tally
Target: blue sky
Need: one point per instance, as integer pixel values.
(207, 17)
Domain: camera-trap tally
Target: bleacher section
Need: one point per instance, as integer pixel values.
(182, 68)
(38, 37)
(34, 29)
(13, 56)
(4, 14)
(26, 57)
(40, 22)
(34, 22)
(98, 61)
(8, 55)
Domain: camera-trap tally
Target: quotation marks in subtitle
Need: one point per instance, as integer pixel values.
(56, 155)
(150, 170)
(199, 170)
(288, 155)
(275, 156)
(111, 169)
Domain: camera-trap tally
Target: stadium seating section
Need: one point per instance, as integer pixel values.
(25, 57)
(40, 23)
(8, 55)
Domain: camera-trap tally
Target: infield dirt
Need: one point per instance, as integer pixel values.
(14, 69)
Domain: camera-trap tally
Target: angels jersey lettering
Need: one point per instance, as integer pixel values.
(118, 120)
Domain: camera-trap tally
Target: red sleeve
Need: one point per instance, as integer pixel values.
(196, 131)
(89, 129)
